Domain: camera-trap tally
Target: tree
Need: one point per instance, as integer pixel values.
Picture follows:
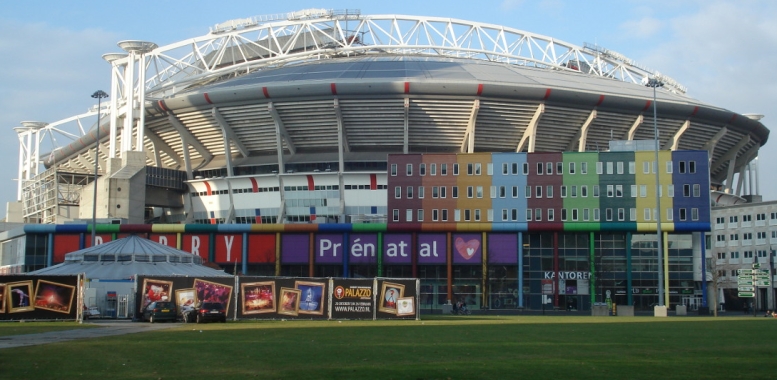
(715, 279)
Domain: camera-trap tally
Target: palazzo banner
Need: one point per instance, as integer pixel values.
(353, 299)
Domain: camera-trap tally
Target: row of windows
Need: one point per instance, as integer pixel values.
(745, 254)
(364, 187)
(760, 217)
(549, 168)
(236, 191)
(288, 188)
(539, 214)
(745, 236)
(613, 191)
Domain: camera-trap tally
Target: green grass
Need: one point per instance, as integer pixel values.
(19, 328)
(525, 347)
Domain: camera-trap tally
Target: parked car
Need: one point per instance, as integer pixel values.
(210, 312)
(160, 311)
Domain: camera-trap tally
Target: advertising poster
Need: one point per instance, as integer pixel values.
(206, 291)
(185, 290)
(393, 290)
(352, 299)
(155, 290)
(38, 297)
(283, 297)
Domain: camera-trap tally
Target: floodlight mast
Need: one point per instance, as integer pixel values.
(654, 83)
(99, 95)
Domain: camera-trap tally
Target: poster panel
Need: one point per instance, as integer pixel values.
(352, 298)
(261, 249)
(185, 289)
(257, 297)
(19, 296)
(54, 296)
(283, 297)
(390, 292)
(2, 298)
(467, 249)
(64, 244)
(196, 244)
(207, 291)
(229, 248)
(155, 290)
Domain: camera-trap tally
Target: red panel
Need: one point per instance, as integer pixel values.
(64, 244)
(265, 92)
(254, 185)
(196, 244)
(373, 182)
(229, 248)
(170, 240)
(311, 184)
(207, 98)
(334, 88)
(261, 249)
(99, 239)
(207, 188)
(407, 87)
(480, 89)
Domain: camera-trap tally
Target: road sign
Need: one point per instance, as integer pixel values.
(746, 294)
(756, 265)
(746, 289)
(745, 272)
(762, 277)
(764, 283)
(761, 271)
(744, 281)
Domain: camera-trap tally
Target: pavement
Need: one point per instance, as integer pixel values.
(103, 329)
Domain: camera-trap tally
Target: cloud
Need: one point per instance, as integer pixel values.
(642, 28)
(510, 5)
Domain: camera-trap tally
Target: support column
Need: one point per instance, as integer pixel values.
(629, 276)
(555, 270)
(484, 278)
(449, 260)
(592, 264)
(245, 253)
(520, 270)
(666, 269)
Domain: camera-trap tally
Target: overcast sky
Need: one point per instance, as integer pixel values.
(725, 52)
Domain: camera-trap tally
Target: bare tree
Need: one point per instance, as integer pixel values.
(713, 275)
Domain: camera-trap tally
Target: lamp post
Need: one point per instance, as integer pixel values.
(654, 83)
(99, 95)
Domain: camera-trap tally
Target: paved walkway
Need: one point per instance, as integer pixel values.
(106, 328)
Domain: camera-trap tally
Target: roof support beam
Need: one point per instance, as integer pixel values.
(190, 139)
(406, 126)
(530, 134)
(709, 146)
(633, 130)
(468, 143)
(342, 139)
(161, 147)
(582, 134)
(674, 142)
(228, 132)
(742, 166)
(280, 134)
(731, 154)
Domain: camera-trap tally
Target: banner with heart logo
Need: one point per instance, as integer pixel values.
(467, 249)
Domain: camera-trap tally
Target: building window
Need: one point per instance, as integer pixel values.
(682, 167)
(620, 167)
(583, 168)
(422, 169)
(455, 191)
(457, 215)
(609, 168)
(479, 191)
(514, 167)
(597, 214)
(670, 191)
(632, 167)
(585, 214)
(467, 215)
(596, 191)
(633, 191)
(619, 191)
(527, 192)
(549, 191)
(540, 168)
(669, 167)
(559, 168)
(538, 214)
(682, 214)
(621, 214)
(551, 215)
(410, 192)
(420, 192)
(646, 213)
(571, 168)
(433, 169)
(398, 192)
(505, 168)
(477, 215)
(435, 215)
(469, 169)
(528, 215)
(642, 191)
(686, 190)
(477, 169)
(445, 215)
(645, 167)
(610, 191)
(563, 215)
(409, 215)
(393, 170)
(632, 214)
(563, 191)
(692, 167)
(490, 169)
(548, 168)
(608, 214)
(599, 168)
(584, 191)
(395, 215)
(502, 191)
(538, 192)
(455, 169)
(443, 169)
(573, 191)
(515, 191)
(470, 192)
(525, 168)
(420, 215)
(574, 214)
(409, 169)
(505, 215)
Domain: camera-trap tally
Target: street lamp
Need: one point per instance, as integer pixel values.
(99, 95)
(654, 83)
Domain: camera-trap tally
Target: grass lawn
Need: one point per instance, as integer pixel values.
(19, 328)
(474, 347)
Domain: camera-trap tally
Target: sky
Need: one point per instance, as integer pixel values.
(722, 51)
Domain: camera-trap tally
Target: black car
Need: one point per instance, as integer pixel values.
(210, 312)
(160, 311)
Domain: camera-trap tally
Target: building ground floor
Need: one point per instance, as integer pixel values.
(495, 270)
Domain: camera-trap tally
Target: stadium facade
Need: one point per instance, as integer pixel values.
(498, 166)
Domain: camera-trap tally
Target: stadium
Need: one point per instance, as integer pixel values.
(271, 142)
